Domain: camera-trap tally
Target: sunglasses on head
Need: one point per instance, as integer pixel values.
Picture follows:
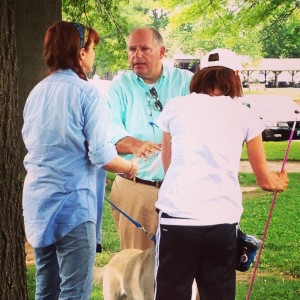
(157, 104)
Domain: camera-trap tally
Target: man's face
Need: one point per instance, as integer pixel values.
(144, 56)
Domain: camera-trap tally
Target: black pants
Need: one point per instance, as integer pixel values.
(206, 253)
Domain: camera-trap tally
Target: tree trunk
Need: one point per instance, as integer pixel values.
(22, 27)
(33, 19)
(12, 254)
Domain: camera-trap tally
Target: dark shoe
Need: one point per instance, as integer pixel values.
(98, 248)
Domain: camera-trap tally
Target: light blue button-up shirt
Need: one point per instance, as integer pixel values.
(133, 111)
(67, 133)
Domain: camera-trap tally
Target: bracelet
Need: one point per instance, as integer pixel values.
(130, 168)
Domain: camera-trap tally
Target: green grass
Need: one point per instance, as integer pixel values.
(279, 269)
(278, 275)
(276, 151)
(31, 281)
(284, 231)
(270, 288)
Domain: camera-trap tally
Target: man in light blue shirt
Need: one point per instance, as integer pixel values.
(136, 99)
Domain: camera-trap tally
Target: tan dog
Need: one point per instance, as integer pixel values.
(130, 275)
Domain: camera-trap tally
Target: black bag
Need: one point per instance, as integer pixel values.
(247, 246)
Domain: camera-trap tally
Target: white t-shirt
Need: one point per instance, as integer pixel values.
(207, 139)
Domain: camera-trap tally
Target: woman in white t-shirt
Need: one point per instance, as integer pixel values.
(200, 201)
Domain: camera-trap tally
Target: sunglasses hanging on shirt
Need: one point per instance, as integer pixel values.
(157, 104)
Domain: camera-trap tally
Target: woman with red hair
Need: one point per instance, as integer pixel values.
(66, 133)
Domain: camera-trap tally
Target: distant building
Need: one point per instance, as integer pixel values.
(270, 71)
(273, 70)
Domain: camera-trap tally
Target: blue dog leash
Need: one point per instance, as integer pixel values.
(150, 236)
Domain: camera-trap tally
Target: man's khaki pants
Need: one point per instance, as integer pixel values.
(137, 200)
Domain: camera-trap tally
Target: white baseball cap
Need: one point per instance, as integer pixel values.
(221, 57)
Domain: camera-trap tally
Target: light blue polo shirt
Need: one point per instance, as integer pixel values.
(133, 112)
(67, 134)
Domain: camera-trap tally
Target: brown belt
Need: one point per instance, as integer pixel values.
(147, 182)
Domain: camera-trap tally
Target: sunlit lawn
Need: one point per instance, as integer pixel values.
(276, 151)
(278, 275)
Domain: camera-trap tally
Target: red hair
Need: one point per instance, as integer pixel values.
(206, 80)
(62, 47)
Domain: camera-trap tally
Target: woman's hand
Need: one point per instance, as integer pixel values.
(133, 169)
(275, 182)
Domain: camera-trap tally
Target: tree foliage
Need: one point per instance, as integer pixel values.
(281, 40)
(113, 20)
(239, 25)
(104, 16)
(253, 27)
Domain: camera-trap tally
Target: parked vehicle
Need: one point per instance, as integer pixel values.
(297, 84)
(270, 84)
(245, 84)
(277, 113)
(283, 84)
(280, 84)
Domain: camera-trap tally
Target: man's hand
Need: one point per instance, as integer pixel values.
(145, 149)
(141, 149)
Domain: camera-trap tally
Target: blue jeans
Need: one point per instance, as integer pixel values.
(64, 270)
(101, 184)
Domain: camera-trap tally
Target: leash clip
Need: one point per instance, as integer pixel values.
(150, 236)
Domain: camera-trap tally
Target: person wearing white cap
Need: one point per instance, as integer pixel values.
(221, 57)
(200, 200)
